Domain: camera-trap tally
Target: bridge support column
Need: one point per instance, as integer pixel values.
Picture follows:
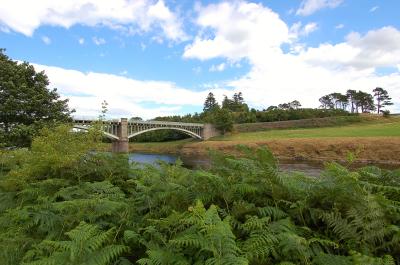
(121, 145)
(209, 131)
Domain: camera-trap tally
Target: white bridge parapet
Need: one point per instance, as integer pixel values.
(121, 130)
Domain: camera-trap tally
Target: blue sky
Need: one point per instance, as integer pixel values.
(150, 58)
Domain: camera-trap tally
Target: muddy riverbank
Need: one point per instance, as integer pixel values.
(367, 150)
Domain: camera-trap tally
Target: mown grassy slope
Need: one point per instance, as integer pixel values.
(378, 128)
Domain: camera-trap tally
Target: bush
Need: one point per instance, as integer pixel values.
(93, 208)
(386, 113)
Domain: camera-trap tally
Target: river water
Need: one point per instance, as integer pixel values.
(308, 167)
(312, 169)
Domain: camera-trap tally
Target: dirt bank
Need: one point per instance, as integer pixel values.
(383, 150)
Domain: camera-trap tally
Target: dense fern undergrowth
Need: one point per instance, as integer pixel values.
(62, 203)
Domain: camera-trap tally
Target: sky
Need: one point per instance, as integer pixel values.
(151, 58)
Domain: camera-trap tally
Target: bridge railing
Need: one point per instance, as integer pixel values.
(92, 121)
(170, 123)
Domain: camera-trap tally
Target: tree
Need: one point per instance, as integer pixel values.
(382, 98)
(284, 106)
(26, 104)
(365, 101)
(295, 104)
(227, 103)
(350, 96)
(334, 101)
(236, 104)
(326, 102)
(271, 108)
(343, 100)
(211, 103)
(223, 120)
(339, 100)
(104, 110)
(238, 98)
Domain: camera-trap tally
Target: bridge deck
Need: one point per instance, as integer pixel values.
(170, 123)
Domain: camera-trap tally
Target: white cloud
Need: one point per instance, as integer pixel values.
(240, 28)
(306, 73)
(297, 30)
(373, 9)
(98, 41)
(308, 7)
(217, 68)
(339, 26)
(46, 40)
(167, 20)
(129, 16)
(126, 97)
(378, 48)
(310, 27)
(81, 41)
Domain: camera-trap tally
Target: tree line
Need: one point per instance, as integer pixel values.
(358, 101)
(235, 110)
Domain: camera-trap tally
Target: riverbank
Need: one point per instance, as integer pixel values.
(380, 150)
(371, 142)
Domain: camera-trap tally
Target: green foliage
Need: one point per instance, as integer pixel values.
(61, 203)
(26, 104)
(223, 120)
(88, 246)
(240, 113)
(210, 104)
(357, 100)
(382, 98)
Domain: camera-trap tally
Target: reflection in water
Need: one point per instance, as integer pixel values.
(311, 169)
(151, 158)
(307, 167)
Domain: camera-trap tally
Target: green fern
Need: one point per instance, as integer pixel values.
(88, 245)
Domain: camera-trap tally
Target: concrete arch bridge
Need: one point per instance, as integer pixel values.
(119, 131)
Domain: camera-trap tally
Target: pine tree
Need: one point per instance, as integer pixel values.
(382, 98)
(351, 97)
(211, 103)
(365, 101)
(223, 120)
(326, 102)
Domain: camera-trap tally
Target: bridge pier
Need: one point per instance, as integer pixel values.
(121, 145)
(209, 131)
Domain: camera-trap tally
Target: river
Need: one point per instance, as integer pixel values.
(308, 167)
(312, 169)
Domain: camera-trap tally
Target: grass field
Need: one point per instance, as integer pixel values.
(378, 129)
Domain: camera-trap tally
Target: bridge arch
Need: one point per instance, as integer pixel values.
(106, 134)
(191, 134)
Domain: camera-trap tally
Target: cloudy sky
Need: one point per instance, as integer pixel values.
(161, 57)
